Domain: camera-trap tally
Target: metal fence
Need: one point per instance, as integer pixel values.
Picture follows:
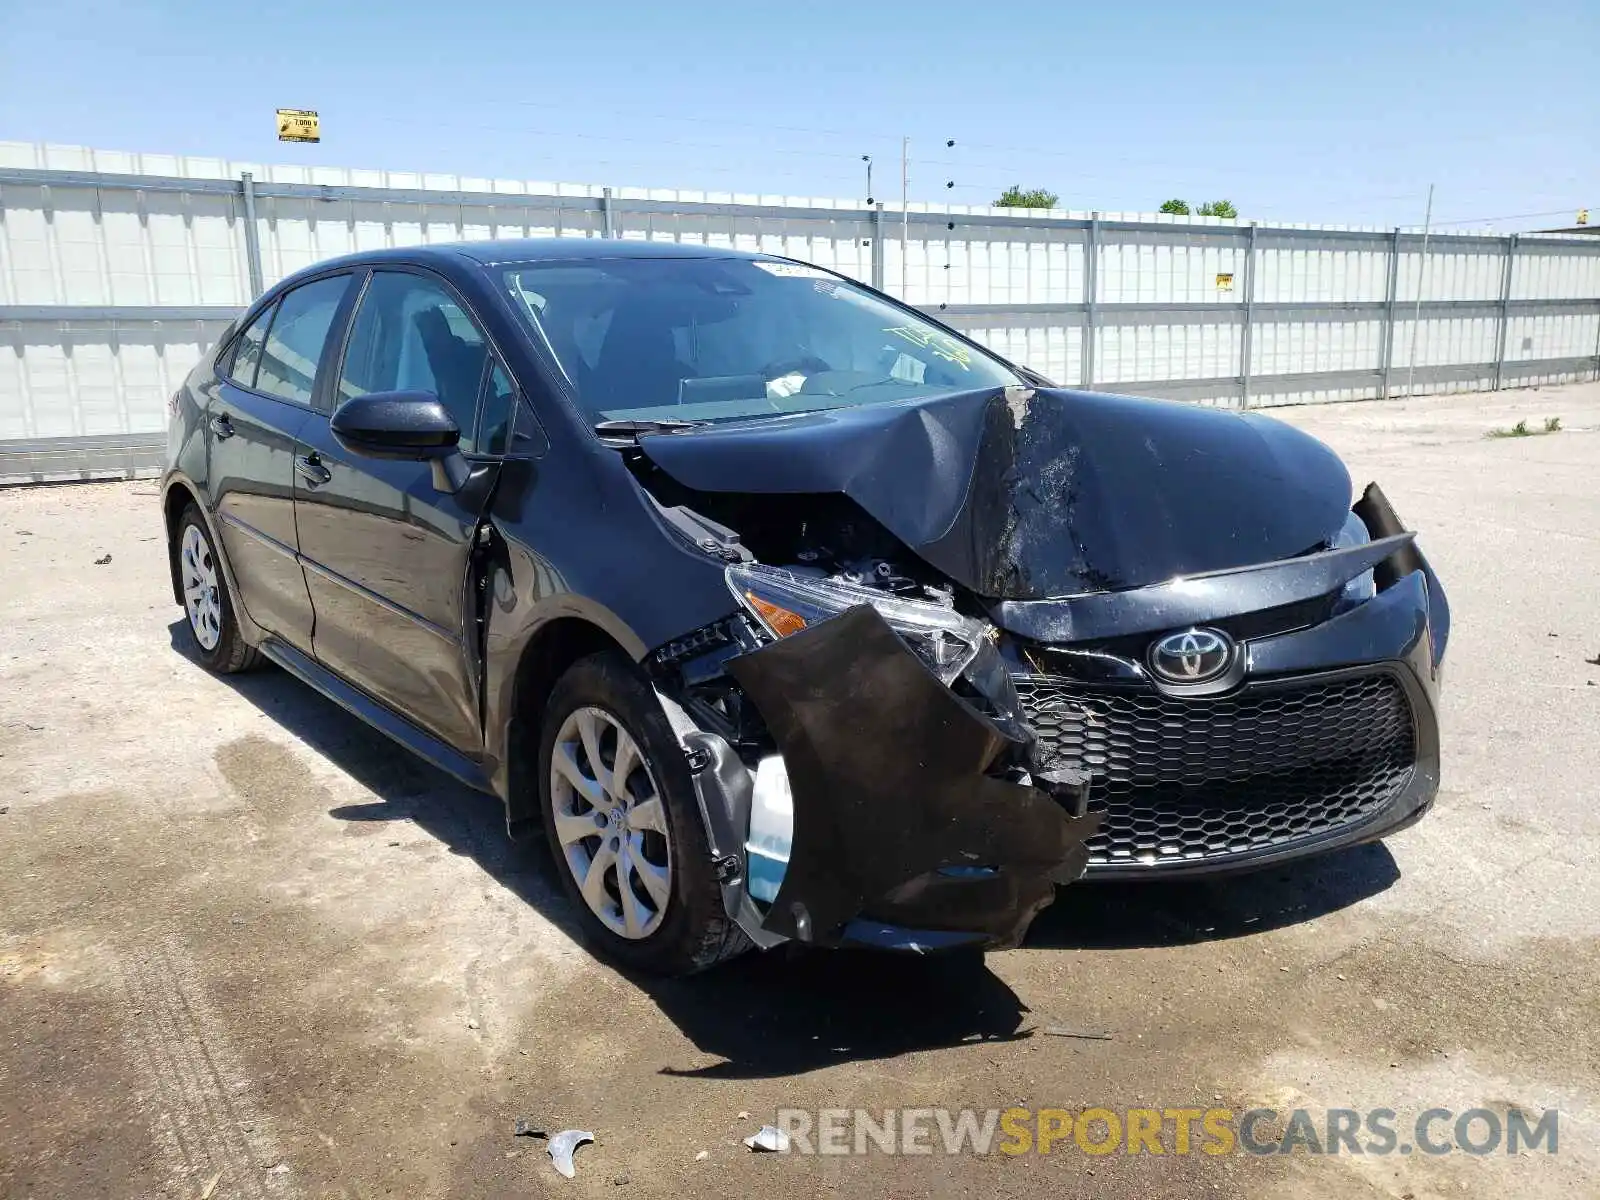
(117, 270)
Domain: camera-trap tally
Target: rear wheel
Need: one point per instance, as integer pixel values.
(623, 825)
(218, 640)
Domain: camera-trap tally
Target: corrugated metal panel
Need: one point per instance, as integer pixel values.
(70, 378)
(96, 246)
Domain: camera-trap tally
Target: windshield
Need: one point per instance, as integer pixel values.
(651, 339)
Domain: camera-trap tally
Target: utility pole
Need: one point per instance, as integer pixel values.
(905, 211)
(1422, 275)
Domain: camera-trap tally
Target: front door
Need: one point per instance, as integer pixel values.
(386, 553)
(263, 400)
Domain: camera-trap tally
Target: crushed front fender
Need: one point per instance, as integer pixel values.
(900, 814)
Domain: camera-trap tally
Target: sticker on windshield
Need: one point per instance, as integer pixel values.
(787, 270)
(941, 344)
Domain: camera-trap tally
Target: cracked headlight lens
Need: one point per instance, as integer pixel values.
(784, 603)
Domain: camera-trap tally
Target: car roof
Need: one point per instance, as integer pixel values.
(567, 249)
(509, 250)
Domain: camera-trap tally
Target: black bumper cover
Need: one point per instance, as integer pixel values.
(899, 823)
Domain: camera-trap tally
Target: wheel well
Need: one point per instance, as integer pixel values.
(549, 654)
(178, 498)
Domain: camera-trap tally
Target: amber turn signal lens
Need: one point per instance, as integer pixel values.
(781, 621)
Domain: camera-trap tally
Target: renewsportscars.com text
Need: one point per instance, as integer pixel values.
(1175, 1131)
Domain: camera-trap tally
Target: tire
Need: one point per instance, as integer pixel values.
(207, 601)
(675, 923)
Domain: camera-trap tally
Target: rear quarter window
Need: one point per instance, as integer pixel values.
(243, 359)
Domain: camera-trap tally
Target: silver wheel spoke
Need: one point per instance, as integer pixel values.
(589, 730)
(572, 827)
(634, 915)
(594, 882)
(565, 760)
(656, 880)
(648, 814)
(627, 758)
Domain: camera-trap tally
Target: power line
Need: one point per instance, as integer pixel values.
(606, 137)
(1553, 212)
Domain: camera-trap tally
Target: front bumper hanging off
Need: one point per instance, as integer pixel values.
(906, 835)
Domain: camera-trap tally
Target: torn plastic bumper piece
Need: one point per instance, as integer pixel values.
(898, 819)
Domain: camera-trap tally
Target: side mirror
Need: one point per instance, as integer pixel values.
(412, 426)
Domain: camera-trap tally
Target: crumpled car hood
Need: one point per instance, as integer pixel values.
(1026, 494)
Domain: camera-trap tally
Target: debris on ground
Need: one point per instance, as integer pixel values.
(210, 1186)
(562, 1146)
(621, 1180)
(1593, 662)
(1088, 1034)
(702, 1156)
(769, 1138)
(526, 1128)
(743, 1116)
(100, 562)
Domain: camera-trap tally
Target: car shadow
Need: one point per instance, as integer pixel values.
(791, 1011)
(465, 821)
(1135, 915)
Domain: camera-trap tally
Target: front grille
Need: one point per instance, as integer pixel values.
(1190, 779)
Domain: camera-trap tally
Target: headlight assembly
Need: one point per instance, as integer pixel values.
(784, 603)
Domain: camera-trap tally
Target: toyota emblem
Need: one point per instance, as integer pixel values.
(1192, 655)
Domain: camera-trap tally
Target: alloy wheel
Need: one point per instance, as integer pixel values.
(201, 597)
(611, 823)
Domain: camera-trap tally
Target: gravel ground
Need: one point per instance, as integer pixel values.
(244, 939)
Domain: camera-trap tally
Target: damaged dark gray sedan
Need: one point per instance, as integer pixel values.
(784, 612)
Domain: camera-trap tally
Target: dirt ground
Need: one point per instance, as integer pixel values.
(242, 935)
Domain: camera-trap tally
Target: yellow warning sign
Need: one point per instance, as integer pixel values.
(298, 125)
(1225, 282)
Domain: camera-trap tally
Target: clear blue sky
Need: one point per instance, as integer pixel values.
(1339, 112)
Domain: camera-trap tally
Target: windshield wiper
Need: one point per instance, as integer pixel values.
(632, 428)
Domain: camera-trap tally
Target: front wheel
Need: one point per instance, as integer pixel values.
(623, 825)
(217, 638)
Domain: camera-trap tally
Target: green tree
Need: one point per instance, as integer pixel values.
(1218, 208)
(1177, 207)
(1015, 197)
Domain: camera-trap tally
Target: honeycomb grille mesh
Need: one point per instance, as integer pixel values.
(1184, 780)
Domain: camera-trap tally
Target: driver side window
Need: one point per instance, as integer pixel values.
(410, 334)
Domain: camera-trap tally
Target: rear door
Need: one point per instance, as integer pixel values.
(386, 553)
(263, 400)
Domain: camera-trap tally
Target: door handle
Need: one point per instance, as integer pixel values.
(309, 467)
(221, 426)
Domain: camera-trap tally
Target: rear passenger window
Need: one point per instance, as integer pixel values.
(295, 340)
(247, 350)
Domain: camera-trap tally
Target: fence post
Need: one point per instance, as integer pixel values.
(1505, 309)
(252, 236)
(1091, 288)
(1388, 312)
(607, 226)
(876, 217)
(1249, 318)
